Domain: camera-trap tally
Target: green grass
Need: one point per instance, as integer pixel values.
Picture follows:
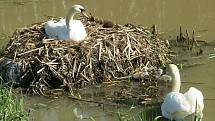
(11, 106)
(149, 114)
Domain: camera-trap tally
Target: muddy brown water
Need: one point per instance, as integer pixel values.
(167, 14)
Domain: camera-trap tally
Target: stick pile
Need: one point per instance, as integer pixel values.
(107, 53)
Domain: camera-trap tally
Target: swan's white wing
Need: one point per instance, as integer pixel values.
(63, 33)
(77, 30)
(56, 30)
(175, 106)
(193, 95)
(50, 29)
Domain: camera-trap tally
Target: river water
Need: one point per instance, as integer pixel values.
(195, 15)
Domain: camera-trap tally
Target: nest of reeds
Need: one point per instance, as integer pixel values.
(110, 52)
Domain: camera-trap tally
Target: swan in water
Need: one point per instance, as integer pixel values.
(178, 106)
(67, 29)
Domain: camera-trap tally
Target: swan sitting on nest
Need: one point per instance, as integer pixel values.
(178, 106)
(67, 29)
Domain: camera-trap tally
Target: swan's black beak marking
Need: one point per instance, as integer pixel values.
(84, 13)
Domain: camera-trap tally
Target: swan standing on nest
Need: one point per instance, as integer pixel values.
(67, 29)
(178, 106)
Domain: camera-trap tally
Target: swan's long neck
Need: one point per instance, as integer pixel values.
(176, 81)
(69, 17)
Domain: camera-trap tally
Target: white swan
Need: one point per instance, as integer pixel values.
(67, 29)
(178, 106)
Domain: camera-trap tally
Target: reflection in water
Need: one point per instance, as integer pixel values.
(69, 110)
(167, 14)
(47, 114)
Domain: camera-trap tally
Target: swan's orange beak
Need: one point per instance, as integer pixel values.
(84, 13)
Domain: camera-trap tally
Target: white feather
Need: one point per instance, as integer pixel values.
(175, 106)
(59, 30)
(193, 95)
(178, 106)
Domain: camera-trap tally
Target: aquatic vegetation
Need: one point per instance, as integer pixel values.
(149, 113)
(11, 106)
(145, 116)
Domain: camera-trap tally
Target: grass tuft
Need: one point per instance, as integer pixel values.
(11, 106)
